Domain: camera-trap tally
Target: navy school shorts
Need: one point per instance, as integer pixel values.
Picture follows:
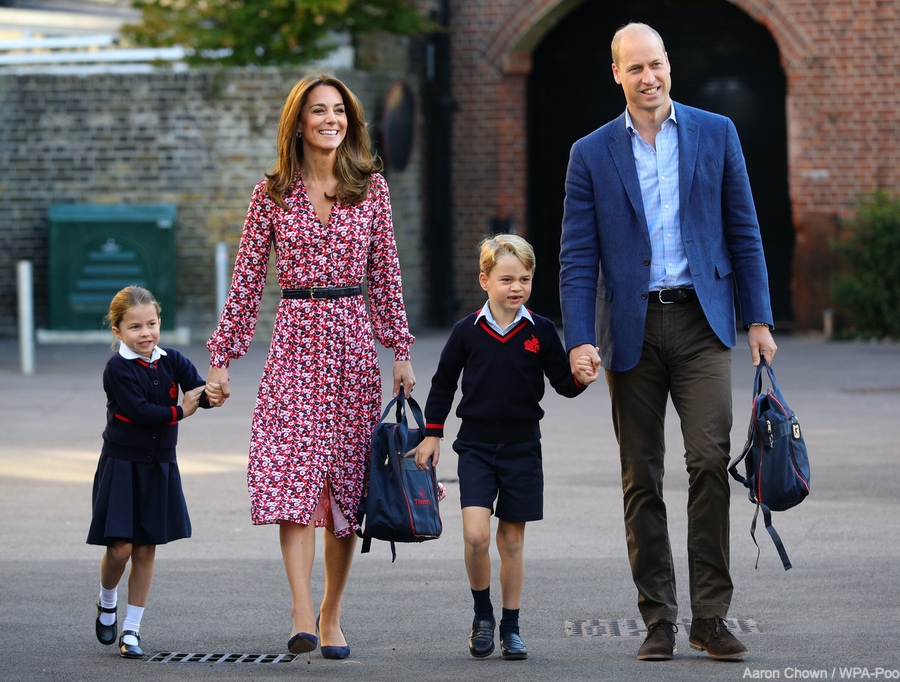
(510, 473)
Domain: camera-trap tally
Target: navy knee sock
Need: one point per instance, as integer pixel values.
(484, 610)
(509, 622)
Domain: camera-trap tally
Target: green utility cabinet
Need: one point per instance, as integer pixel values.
(96, 249)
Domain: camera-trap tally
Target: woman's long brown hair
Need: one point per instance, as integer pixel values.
(355, 162)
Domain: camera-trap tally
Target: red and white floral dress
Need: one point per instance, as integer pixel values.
(320, 394)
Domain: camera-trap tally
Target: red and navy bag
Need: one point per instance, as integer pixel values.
(401, 502)
(776, 462)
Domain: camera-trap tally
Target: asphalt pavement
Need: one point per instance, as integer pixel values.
(220, 607)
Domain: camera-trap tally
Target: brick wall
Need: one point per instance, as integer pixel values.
(198, 139)
(843, 75)
(201, 140)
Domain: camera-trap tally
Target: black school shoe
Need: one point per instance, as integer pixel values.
(130, 650)
(106, 634)
(512, 648)
(481, 638)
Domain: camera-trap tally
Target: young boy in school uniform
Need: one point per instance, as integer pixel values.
(503, 352)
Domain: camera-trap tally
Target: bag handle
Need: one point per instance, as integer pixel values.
(757, 384)
(401, 403)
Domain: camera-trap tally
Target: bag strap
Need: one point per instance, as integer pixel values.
(779, 545)
(367, 545)
(733, 467)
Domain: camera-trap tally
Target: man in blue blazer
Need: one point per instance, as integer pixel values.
(659, 231)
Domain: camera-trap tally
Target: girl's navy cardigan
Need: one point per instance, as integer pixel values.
(142, 410)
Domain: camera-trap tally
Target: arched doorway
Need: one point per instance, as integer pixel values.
(722, 61)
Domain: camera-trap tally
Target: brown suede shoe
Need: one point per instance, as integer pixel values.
(712, 636)
(660, 642)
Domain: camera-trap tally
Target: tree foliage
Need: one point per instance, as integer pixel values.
(869, 293)
(265, 32)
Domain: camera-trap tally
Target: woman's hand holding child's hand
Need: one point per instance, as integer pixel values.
(214, 393)
(217, 386)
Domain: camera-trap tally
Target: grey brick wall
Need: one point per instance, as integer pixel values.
(198, 139)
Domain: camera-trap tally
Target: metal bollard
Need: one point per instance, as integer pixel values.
(222, 278)
(26, 317)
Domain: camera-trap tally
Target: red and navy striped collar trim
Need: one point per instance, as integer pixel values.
(503, 338)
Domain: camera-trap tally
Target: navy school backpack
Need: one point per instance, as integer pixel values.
(401, 502)
(776, 463)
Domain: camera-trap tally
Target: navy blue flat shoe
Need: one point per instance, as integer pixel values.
(106, 634)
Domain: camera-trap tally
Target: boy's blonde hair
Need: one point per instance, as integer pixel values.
(495, 246)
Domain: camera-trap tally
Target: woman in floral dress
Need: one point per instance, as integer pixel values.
(327, 211)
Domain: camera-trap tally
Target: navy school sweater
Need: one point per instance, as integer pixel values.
(502, 380)
(142, 410)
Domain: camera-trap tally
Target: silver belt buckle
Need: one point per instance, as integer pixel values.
(659, 296)
(312, 294)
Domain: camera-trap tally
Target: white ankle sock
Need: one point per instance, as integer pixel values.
(108, 600)
(133, 615)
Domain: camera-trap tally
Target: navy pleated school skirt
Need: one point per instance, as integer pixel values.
(139, 502)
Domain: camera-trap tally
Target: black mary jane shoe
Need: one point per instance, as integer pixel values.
(512, 648)
(481, 639)
(130, 650)
(106, 634)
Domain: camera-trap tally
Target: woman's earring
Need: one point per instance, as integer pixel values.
(299, 135)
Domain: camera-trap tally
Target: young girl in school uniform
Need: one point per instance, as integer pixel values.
(137, 498)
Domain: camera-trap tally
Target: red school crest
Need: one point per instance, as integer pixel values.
(173, 391)
(532, 344)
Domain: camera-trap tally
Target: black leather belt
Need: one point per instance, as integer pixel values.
(322, 293)
(668, 296)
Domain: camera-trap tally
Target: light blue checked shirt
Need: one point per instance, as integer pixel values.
(658, 174)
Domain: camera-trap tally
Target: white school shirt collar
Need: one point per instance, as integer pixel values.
(492, 323)
(129, 354)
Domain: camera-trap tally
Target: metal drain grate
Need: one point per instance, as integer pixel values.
(634, 627)
(175, 657)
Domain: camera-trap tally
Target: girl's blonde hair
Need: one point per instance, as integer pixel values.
(355, 162)
(126, 299)
(492, 248)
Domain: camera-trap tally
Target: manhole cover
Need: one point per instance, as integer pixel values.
(176, 657)
(634, 627)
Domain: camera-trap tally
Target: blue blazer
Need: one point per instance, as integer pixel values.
(605, 244)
